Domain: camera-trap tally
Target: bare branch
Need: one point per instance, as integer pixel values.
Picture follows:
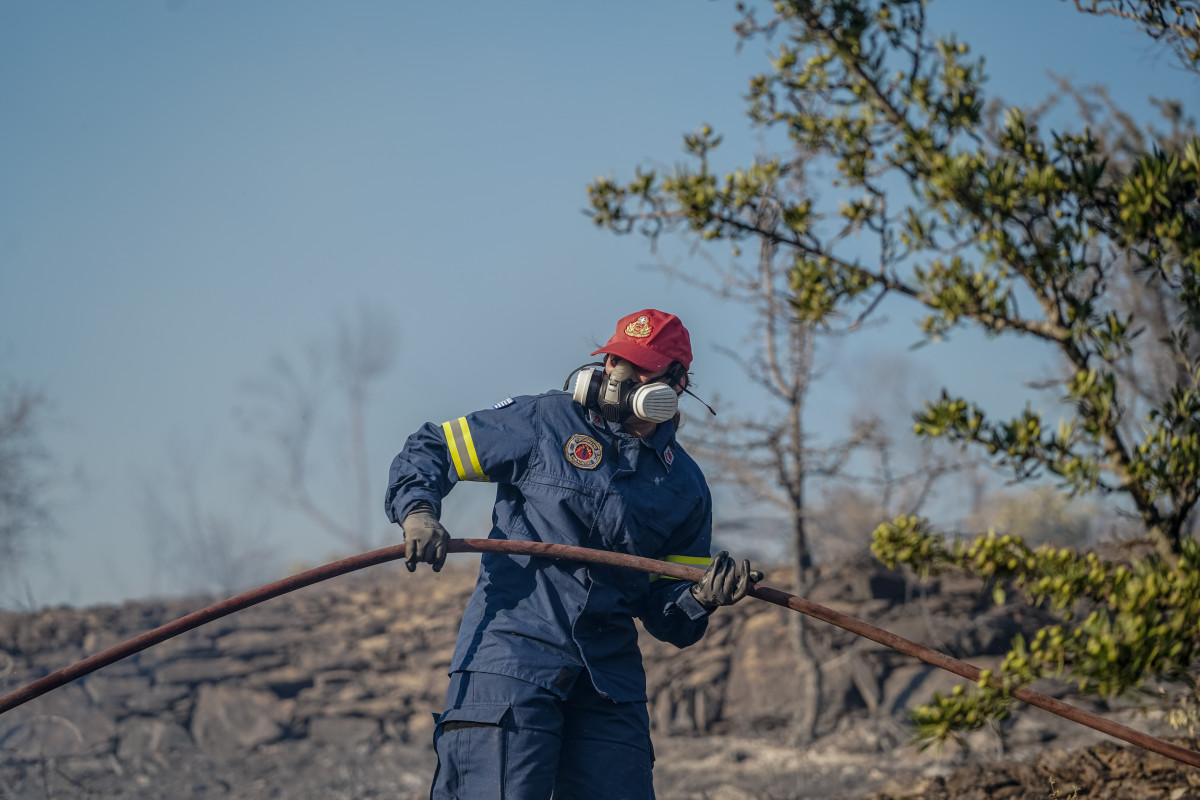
(1175, 21)
(287, 406)
(24, 510)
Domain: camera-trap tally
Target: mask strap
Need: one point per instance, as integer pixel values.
(711, 410)
(574, 372)
(673, 376)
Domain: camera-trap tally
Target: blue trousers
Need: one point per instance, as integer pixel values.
(501, 737)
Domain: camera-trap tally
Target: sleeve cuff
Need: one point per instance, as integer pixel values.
(688, 603)
(400, 510)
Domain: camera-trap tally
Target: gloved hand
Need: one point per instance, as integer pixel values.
(424, 539)
(725, 581)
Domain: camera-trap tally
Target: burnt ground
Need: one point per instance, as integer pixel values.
(328, 693)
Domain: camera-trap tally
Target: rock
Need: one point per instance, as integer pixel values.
(229, 721)
(285, 681)
(142, 738)
(157, 699)
(113, 692)
(193, 671)
(254, 642)
(89, 769)
(764, 682)
(64, 723)
(343, 731)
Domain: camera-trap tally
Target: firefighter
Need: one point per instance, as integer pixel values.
(547, 691)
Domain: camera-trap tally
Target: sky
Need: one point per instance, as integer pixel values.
(190, 189)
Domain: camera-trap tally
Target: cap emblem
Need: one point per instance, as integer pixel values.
(583, 451)
(639, 328)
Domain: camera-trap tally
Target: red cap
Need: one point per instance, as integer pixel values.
(651, 339)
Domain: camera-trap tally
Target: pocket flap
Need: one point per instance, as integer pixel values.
(478, 714)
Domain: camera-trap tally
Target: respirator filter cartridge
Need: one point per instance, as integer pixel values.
(619, 400)
(654, 402)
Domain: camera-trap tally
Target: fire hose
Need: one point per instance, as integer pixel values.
(567, 552)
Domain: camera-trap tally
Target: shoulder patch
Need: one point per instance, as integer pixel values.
(583, 451)
(508, 401)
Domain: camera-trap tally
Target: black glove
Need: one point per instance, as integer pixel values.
(424, 539)
(725, 581)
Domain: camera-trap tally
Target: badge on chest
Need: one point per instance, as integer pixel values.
(583, 451)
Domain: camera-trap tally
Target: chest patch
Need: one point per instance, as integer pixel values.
(583, 451)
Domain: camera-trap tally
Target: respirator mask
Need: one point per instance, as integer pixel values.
(620, 396)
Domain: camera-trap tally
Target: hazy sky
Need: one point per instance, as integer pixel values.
(188, 189)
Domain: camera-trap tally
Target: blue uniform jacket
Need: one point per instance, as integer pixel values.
(564, 475)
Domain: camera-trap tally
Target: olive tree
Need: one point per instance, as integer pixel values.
(984, 221)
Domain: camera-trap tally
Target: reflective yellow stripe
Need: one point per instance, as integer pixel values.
(453, 447)
(462, 421)
(462, 450)
(695, 561)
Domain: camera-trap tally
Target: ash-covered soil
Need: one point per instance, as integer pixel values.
(329, 693)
